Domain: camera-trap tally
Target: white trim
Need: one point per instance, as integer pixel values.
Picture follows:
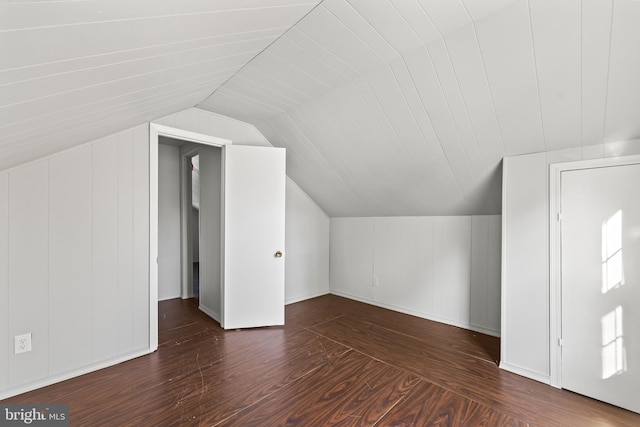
(555, 252)
(153, 238)
(555, 290)
(209, 313)
(306, 297)
(461, 325)
(503, 267)
(187, 135)
(155, 131)
(525, 373)
(72, 374)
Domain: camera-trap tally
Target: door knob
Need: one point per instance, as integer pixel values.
(278, 254)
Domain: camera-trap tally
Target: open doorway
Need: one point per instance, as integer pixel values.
(195, 223)
(247, 260)
(190, 222)
(202, 226)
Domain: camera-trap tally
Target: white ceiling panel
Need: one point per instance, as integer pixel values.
(446, 15)
(556, 37)
(70, 67)
(414, 14)
(17, 14)
(92, 62)
(74, 81)
(326, 29)
(84, 96)
(308, 63)
(465, 55)
(623, 100)
(264, 94)
(346, 13)
(507, 49)
(320, 51)
(596, 43)
(32, 46)
(386, 107)
(451, 88)
(290, 74)
(386, 19)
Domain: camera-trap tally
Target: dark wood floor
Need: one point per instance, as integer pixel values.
(336, 362)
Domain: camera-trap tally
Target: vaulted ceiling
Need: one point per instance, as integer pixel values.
(386, 107)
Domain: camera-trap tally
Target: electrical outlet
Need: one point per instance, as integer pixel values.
(22, 343)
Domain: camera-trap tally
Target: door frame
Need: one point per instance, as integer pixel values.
(155, 131)
(555, 252)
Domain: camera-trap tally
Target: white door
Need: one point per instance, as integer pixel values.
(601, 284)
(253, 237)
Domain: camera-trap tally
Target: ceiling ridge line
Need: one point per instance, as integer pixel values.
(259, 91)
(256, 103)
(402, 57)
(356, 121)
(255, 87)
(358, 36)
(321, 110)
(412, 170)
(486, 77)
(316, 56)
(263, 50)
(446, 101)
(535, 69)
(269, 77)
(339, 176)
(462, 97)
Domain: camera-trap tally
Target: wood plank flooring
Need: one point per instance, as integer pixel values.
(336, 362)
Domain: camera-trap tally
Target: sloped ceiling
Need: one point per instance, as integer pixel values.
(386, 107)
(72, 71)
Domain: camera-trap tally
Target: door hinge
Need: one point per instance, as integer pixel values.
(559, 342)
(559, 216)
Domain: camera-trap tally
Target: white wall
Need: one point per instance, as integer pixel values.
(210, 220)
(441, 268)
(525, 340)
(307, 246)
(74, 270)
(306, 224)
(168, 222)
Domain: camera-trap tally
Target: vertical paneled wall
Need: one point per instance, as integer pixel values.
(307, 247)
(74, 269)
(525, 346)
(440, 268)
(29, 269)
(4, 280)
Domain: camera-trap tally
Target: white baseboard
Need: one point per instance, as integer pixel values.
(164, 298)
(209, 313)
(306, 297)
(546, 379)
(419, 314)
(71, 374)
